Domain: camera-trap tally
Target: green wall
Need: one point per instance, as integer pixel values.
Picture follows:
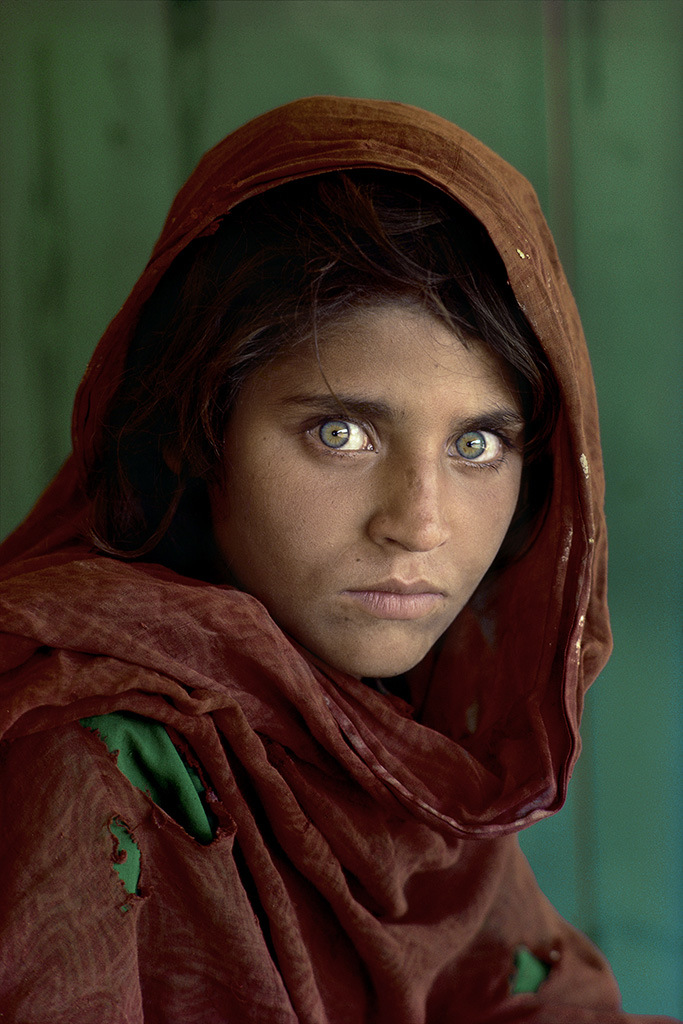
(106, 106)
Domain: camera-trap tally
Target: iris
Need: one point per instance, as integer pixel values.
(335, 433)
(471, 445)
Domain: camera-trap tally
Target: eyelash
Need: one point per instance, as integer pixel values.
(313, 432)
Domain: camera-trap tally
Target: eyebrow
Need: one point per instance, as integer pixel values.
(496, 418)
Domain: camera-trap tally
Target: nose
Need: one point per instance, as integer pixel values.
(410, 509)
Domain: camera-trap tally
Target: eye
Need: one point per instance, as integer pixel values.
(479, 446)
(343, 434)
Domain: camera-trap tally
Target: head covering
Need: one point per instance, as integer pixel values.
(527, 657)
(350, 812)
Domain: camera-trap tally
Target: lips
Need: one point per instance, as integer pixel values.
(398, 600)
(394, 586)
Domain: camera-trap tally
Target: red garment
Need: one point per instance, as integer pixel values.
(366, 868)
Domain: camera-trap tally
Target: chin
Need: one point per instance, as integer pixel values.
(375, 664)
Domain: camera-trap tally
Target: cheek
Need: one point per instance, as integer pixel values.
(492, 511)
(504, 508)
(310, 521)
(272, 522)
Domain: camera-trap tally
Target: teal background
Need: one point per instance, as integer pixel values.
(107, 105)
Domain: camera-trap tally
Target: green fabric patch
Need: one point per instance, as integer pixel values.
(530, 972)
(147, 757)
(127, 856)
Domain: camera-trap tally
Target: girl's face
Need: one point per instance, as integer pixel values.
(364, 519)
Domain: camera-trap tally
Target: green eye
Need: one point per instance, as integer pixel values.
(341, 434)
(335, 433)
(477, 443)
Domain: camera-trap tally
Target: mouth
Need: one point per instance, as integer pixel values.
(398, 600)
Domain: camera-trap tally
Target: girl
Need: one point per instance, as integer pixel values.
(298, 639)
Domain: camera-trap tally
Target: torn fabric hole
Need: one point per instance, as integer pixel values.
(530, 972)
(126, 859)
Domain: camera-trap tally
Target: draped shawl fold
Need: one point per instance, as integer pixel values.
(365, 867)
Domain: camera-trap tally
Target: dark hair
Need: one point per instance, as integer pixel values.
(278, 268)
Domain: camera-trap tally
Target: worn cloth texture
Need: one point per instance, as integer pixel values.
(365, 867)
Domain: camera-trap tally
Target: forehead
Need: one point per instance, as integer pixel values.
(391, 351)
